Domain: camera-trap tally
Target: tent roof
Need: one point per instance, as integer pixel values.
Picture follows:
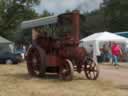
(3, 40)
(104, 36)
(121, 32)
(124, 34)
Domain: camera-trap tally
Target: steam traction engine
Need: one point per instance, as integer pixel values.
(56, 49)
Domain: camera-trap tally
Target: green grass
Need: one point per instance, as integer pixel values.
(14, 81)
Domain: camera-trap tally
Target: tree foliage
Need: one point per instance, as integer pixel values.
(12, 12)
(92, 22)
(112, 16)
(115, 12)
(46, 13)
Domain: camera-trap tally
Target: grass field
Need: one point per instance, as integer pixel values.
(14, 81)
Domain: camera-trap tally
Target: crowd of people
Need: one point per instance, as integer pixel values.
(111, 53)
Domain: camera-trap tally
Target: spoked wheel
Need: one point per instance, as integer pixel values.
(34, 62)
(66, 71)
(91, 69)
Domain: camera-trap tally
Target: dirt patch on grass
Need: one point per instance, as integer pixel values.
(123, 87)
(118, 76)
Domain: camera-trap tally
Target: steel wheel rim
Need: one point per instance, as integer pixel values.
(67, 71)
(91, 70)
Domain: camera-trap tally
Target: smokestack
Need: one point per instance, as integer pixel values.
(76, 24)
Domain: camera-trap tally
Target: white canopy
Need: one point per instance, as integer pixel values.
(105, 36)
(96, 38)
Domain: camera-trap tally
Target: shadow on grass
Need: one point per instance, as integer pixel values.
(122, 87)
(123, 66)
(52, 77)
(18, 76)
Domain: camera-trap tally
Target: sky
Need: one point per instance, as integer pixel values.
(59, 6)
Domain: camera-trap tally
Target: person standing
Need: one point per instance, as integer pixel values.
(116, 52)
(105, 53)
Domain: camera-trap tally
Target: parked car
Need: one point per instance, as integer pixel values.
(8, 58)
(20, 53)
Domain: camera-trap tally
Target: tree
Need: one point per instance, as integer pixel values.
(46, 13)
(115, 12)
(67, 11)
(12, 12)
(92, 22)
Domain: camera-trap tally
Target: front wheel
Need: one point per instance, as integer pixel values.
(91, 69)
(67, 70)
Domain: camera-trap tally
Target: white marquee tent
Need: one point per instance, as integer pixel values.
(96, 38)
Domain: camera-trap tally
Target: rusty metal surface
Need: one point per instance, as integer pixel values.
(58, 51)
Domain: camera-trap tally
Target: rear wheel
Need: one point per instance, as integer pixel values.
(34, 63)
(67, 71)
(91, 69)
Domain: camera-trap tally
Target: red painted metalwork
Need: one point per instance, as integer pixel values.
(60, 55)
(53, 60)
